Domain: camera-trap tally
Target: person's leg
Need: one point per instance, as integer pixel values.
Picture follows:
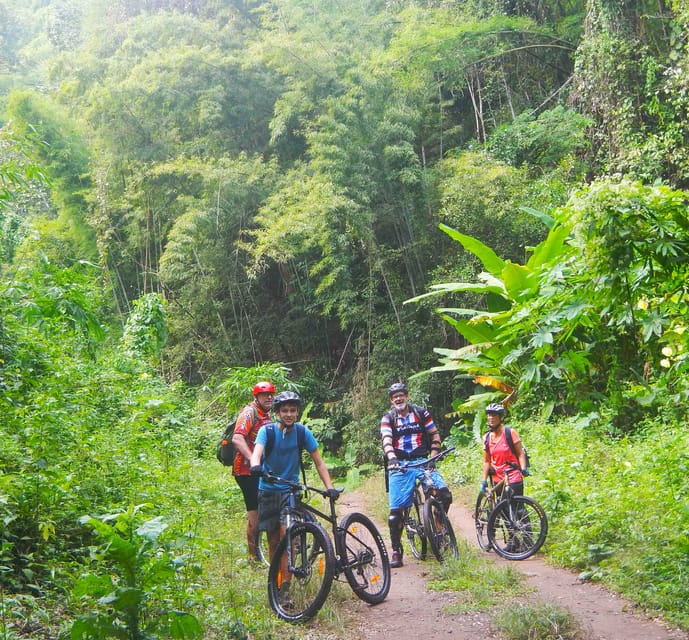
(395, 524)
(249, 487)
(401, 496)
(251, 531)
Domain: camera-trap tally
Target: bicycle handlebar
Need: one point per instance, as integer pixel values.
(272, 478)
(429, 461)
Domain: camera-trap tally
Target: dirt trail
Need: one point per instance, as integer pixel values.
(411, 611)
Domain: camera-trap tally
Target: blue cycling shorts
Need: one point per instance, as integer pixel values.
(401, 484)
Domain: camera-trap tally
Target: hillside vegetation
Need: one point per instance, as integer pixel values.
(485, 198)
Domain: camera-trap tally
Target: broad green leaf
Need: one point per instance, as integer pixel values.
(551, 248)
(151, 529)
(520, 282)
(491, 262)
(455, 287)
(547, 220)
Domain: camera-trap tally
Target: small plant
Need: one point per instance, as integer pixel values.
(542, 621)
(132, 596)
(480, 584)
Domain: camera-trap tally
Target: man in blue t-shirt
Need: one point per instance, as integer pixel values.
(283, 460)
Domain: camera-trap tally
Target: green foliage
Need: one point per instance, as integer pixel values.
(616, 254)
(146, 331)
(544, 621)
(540, 142)
(134, 594)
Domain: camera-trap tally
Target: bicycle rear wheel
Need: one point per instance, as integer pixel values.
(310, 573)
(439, 531)
(262, 551)
(517, 528)
(481, 513)
(366, 562)
(413, 525)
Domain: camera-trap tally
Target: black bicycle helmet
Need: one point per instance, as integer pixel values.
(397, 388)
(286, 397)
(495, 407)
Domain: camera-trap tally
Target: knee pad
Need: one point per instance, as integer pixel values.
(445, 497)
(395, 520)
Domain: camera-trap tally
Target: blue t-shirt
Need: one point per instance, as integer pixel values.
(283, 460)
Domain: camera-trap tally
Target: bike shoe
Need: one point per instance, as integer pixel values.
(396, 560)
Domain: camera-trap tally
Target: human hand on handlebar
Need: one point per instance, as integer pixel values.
(393, 464)
(334, 494)
(525, 472)
(484, 486)
(256, 470)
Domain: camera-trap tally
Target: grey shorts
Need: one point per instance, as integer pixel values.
(272, 507)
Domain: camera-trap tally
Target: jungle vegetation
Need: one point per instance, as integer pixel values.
(487, 198)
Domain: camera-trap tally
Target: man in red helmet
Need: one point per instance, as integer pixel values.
(250, 419)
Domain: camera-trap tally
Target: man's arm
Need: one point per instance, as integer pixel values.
(386, 438)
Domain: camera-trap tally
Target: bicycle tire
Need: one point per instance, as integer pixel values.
(366, 561)
(262, 550)
(517, 528)
(413, 525)
(481, 514)
(312, 573)
(439, 531)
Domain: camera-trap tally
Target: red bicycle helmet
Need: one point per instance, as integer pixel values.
(264, 387)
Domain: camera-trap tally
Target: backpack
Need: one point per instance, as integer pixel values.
(225, 450)
(510, 444)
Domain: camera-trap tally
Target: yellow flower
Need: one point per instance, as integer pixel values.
(667, 351)
(665, 363)
(642, 303)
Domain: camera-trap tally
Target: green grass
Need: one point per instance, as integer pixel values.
(479, 584)
(541, 621)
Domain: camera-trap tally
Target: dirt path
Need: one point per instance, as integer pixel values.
(411, 612)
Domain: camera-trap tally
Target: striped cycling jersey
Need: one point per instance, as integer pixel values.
(408, 433)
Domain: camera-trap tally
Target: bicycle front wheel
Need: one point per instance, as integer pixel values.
(438, 529)
(413, 525)
(366, 562)
(481, 513)
(300, 593)
(517, 528)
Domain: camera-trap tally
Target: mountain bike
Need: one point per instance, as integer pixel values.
(515, 526)
(313, 561)
(436, 530)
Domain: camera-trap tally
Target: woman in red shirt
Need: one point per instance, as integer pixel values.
(497, 452)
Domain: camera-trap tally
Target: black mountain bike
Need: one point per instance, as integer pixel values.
(436, 529)
(313, 562)
(515, 526)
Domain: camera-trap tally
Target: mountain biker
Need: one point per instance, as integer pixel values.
(497, 452)
(283, 460)
(407, 433)
(250, 419)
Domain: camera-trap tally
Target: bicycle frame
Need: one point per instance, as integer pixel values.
(307, 561)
